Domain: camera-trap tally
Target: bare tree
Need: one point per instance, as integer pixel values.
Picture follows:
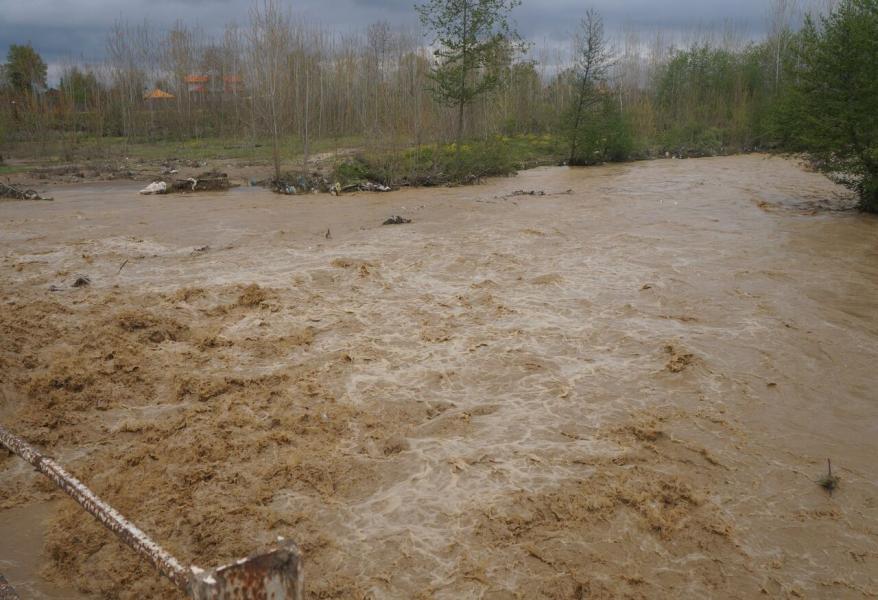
(269, 48)
(781, 15)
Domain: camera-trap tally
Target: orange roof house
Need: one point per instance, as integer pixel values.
(158, 94)
(232, 83)
(196, 84)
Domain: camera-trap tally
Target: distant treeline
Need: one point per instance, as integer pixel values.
(281, 78)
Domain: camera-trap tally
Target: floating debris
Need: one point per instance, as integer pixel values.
(81, 281)
(829, 482)
(397, 220)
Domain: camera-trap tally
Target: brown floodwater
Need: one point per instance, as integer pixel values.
(626, 384)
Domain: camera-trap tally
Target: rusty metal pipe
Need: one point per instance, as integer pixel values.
(275, 574)
(127, 531)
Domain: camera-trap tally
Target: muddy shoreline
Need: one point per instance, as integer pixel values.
(626, 386)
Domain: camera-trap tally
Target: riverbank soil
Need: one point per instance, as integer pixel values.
(624, 385)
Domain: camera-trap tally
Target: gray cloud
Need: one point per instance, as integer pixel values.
(75, 29)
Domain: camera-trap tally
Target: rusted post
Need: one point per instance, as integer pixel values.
(275, 575)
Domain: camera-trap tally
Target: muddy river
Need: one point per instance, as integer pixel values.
(626, 384)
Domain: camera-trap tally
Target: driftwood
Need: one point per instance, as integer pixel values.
(211, 181)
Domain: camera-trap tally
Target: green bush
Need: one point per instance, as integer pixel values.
(443, 164)
(603, 136)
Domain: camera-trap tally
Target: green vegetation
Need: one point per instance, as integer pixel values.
(593, 123)
(283, 90)
(24, 69)
(116, 148)
(10, 169)
(836, 96)
(470, 34)
(444, 164)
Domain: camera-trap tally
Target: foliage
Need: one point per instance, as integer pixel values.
(472, 35)
(79, 86)
(444, 164)
(602, 135)
(25, 70)
(593, 61)
(836, 96)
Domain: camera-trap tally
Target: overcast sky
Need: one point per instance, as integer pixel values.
(77, 28)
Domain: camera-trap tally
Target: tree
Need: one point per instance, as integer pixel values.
(468, 33)
(270, 47)
(593, 61)
(25, 70)
(837, 93)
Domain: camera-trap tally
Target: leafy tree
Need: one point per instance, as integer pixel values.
(593, 61)
(603, 135)
(79, 86)
(24, 69)
(469, 34)
(837, 96)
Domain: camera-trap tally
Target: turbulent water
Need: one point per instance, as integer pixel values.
(626, 383)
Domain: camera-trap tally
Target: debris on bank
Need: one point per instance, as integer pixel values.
(294, 185)
(210, 181)
(397, 220)
(368, 186)
(16, 193)
(156, 187)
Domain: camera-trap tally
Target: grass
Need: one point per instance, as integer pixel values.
(10, 169)
(444, 164)
(91, 148)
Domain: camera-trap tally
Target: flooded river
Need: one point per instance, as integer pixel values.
(624, 384)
